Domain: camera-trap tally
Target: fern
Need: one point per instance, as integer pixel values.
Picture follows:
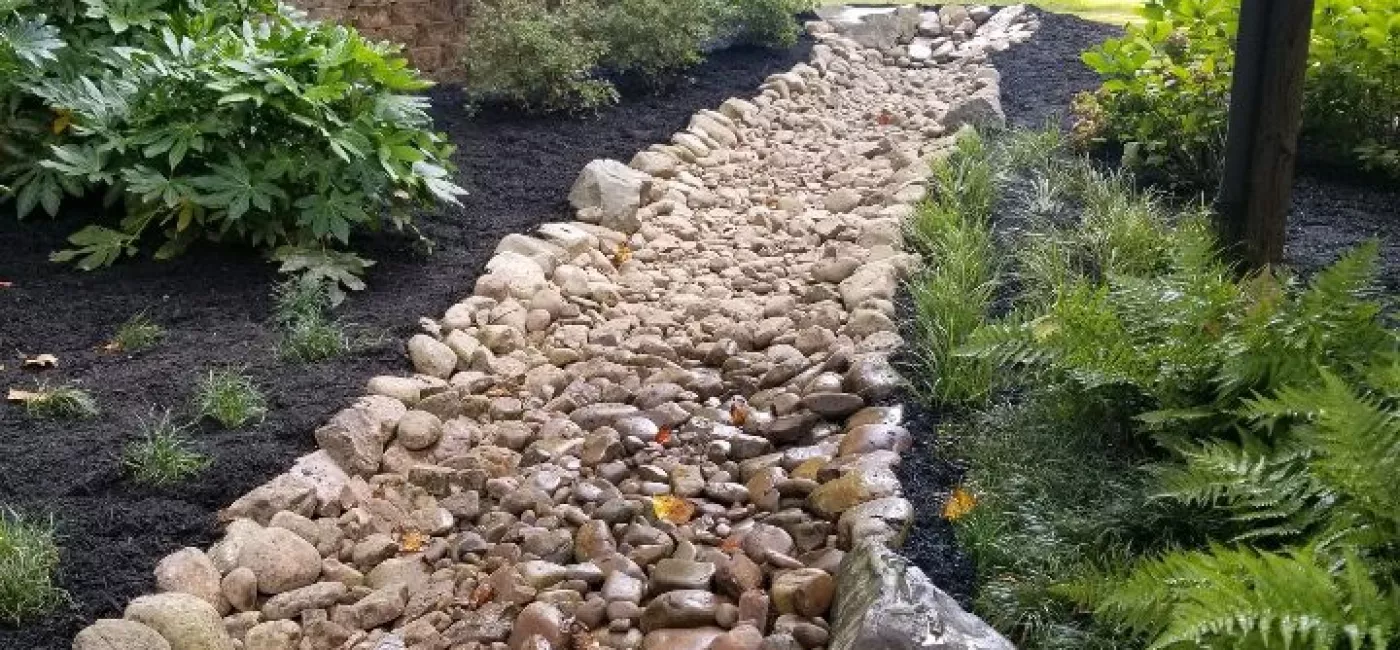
(1265, 490)
(1243, 598)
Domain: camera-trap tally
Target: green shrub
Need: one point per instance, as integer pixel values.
(230, 398)
(522, 53)
(1166, 88)
(163, 454)
(766, 22)
(227, 121)
(28, 558)
(653, 38)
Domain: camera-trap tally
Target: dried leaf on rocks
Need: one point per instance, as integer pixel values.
(739, 414)
(622, 254)
(481, 595)
(885, 118)
(580, 639)
(672, 509)
(663, 436)
(959, 504)
(40, 362)
(21, 395)
(412, 541)
(731, 543)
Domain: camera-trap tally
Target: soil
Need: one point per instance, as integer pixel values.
(215, 305)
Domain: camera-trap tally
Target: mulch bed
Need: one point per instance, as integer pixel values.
(215, 304)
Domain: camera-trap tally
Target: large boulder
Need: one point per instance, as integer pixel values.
(118, 634)
(884, 602)
(186, 621)
(613, 189)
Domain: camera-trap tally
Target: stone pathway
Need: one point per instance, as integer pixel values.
(665, 425)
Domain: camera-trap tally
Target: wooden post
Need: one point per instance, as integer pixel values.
(1266, 102)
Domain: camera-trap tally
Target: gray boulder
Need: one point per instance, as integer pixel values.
(883, 602)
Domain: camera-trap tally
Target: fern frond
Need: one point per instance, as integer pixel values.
(1267, 490)
(1240, 597)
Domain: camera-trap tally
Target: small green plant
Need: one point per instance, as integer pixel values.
(314, 340)
(309, 334)
(28, 558)
(137, 333)
(523, 53)
(953, 295)
(62, 403)
(230, 398)
(163, 454)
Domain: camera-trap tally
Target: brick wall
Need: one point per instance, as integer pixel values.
(430, 30)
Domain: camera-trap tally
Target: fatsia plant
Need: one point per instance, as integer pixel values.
(232, 121)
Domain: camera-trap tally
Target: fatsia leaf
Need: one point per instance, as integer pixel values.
(32, 40)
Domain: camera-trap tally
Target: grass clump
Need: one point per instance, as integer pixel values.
(137, 333)
(301, 310)
(28, 559)
(62, 403)
(163, 454)
(953, 294)
(230, 398)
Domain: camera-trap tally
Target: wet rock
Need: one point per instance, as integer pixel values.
(290, 604)
(682, 608)
(699, 638)
(807, 592)
(885, 520)
(670, 574)
(856, 487)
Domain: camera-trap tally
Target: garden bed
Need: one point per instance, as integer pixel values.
(1332, 211)
(215, 305)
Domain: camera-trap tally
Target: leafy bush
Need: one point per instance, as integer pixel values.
(231, 121)
(1167, 82)
(522, 53)
(553, 56)
(654, 38)
(766, 22)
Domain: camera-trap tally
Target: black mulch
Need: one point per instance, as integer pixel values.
(215, 304)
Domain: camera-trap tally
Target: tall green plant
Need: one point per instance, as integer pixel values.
(228, 121)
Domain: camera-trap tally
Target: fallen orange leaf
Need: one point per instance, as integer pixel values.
(412, 541)
(481, 595)
(622, 254)
(730, 544)
(663, 436)
(959, 504)
(62, 121)
(739, 413)
(672, 508)
(112, 346)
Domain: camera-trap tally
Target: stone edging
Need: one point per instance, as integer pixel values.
(664, 425)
